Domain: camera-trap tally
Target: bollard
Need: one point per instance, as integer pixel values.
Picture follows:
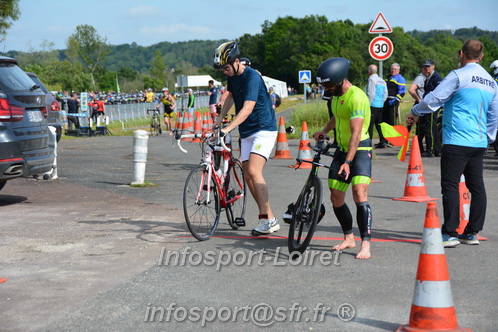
(140, 140)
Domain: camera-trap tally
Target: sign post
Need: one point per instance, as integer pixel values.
(380, 49)
(304, 77)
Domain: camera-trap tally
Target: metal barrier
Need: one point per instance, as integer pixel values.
(132, 116)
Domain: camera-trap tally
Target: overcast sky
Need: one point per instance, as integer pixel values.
(150, 22)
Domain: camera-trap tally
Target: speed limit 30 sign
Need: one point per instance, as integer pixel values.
(381, 48)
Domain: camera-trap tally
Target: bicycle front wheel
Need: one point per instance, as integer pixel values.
(235, 189)
(201, 204)
(305, 216)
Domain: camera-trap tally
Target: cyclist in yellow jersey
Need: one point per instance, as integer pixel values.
(169, 108)
(352, 161)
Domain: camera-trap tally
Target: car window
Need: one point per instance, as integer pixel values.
(13, 78)
(39, 83)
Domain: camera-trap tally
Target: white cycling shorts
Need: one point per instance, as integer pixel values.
(260, 143)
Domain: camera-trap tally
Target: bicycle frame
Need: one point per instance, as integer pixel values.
(207, 160)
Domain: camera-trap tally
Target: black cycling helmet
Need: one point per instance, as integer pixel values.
(226, 53)
(245, 62)
(333, 71)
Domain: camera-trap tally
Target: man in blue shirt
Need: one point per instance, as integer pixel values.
(470, 99)
(213, 99)
(255, 118)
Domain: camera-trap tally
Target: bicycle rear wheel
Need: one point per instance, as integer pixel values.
(305, 216)
(235, 188)
(201, 207)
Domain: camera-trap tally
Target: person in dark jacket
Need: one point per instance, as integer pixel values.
(428, 123)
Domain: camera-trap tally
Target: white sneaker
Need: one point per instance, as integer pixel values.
(266, 226)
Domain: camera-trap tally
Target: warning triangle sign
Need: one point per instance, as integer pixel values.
(380, 25)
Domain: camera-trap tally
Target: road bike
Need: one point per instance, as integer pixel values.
(155, 123)
(308, 209)
(210, 188)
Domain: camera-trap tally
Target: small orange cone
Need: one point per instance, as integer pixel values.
(197, 127)
(2, 280)
(465, 208)
(432, 304)
(304, 149)
(415, 190)
(282, 149)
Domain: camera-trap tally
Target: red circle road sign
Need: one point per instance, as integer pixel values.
(381, 48)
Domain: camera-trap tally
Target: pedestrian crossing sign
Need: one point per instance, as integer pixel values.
(305, 76)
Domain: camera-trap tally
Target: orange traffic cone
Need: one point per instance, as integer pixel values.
(205, 125)
(179, 121)
(432, 304)
(465, 208)
(282, 149)
(210, 122)
(415, 190)
(2, 280)
(197, 127)
(304, 149)
(186, 126)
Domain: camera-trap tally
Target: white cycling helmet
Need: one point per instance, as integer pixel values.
(494, 66)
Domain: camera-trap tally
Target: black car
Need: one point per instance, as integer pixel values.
(24, 134)
(53, 115)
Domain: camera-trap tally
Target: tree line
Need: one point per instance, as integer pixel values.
(280, 50)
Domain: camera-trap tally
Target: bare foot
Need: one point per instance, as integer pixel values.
(348, 242)
(364, 251)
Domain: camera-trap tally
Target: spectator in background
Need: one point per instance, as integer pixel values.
(428, 123)
(150, 96)
(213, 99)
(377, 95)
(396, 87)
(93, 106)
(308, 91)
(273, 98)
(416, 90)
(191, 102)
(73, 108)
(100, 108)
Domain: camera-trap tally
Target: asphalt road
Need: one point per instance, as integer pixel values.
(88, 252)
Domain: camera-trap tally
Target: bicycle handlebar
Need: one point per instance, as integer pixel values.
(208, 135)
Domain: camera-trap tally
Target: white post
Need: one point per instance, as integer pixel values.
(140, 140)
